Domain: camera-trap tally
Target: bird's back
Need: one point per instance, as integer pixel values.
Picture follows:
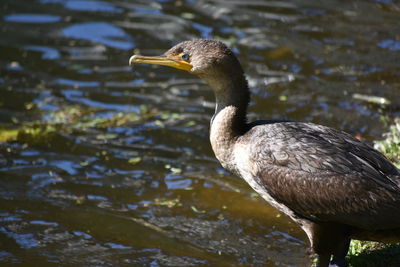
(321, 174)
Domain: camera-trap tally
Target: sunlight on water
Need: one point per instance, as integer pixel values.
(32, 18)
(109, 35)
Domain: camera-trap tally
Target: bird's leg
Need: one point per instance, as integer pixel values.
(338, 263)
(323, 260)
(328, 239)
(340, 253)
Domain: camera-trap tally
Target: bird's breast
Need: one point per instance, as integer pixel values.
(249, 169)
(223, 136)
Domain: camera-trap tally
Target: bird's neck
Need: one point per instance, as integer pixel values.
(229, 120)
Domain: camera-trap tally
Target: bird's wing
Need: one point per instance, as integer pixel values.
(324, 174)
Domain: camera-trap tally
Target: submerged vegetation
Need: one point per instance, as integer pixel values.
(72, 119)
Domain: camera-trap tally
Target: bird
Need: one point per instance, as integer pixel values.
(334, 186)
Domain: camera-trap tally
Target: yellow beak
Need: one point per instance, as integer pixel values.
(171, 61)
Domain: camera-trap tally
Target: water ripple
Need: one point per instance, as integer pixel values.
(32, 18)
(100, 32)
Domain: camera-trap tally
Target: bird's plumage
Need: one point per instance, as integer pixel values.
(333, 185)
(323, 174)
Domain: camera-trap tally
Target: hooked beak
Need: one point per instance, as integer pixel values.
(171, 61)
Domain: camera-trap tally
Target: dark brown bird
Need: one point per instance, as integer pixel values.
(334, 186)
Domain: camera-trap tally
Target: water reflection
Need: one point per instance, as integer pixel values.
(47, 52)
(32, 18)
(109, 35)
(390, 44)
(91, 6)
(114, 166)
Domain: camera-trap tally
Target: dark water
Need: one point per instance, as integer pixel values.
(113, 167)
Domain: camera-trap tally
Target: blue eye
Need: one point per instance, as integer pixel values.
(185, 57)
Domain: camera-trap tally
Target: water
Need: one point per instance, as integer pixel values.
(112, 165)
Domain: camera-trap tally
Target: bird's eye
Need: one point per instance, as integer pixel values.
(185, 57)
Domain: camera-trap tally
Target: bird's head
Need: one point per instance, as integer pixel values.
(211, 60)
